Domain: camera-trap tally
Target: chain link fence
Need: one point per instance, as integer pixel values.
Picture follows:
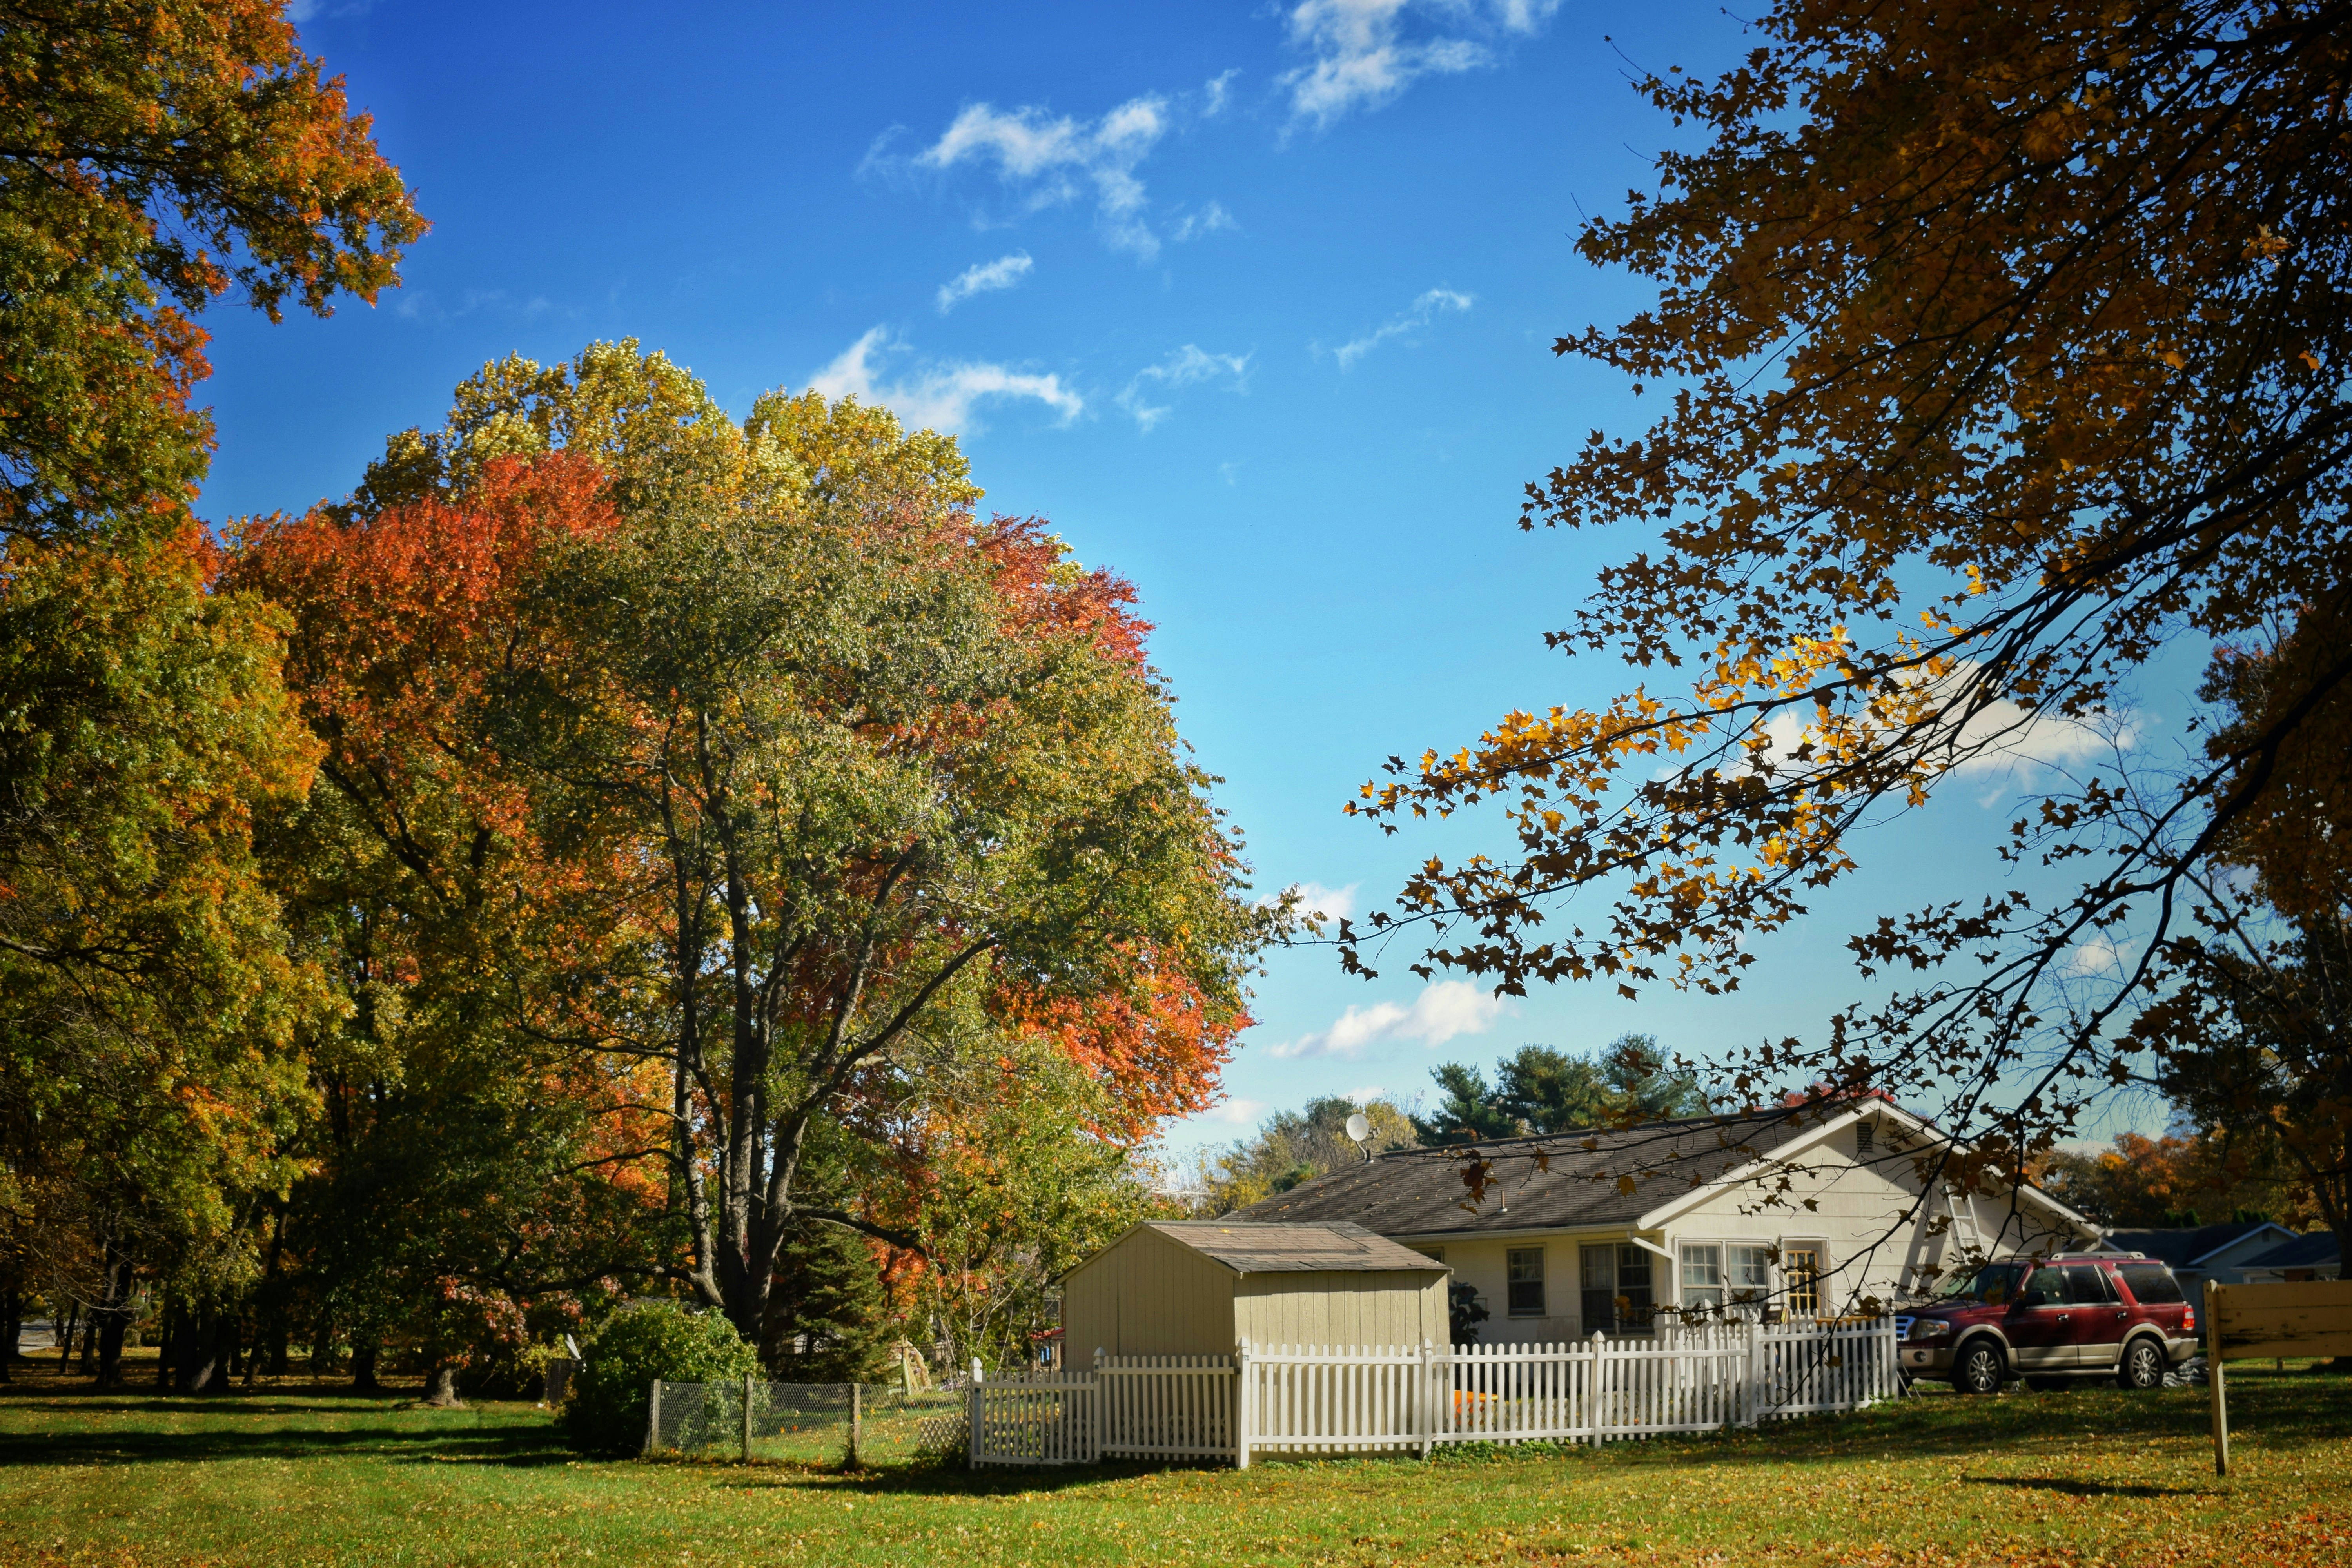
(806, 1422)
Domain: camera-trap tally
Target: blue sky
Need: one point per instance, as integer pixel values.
(1253, 302)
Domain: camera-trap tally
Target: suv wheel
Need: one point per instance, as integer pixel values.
(2143, 1365)
(1980, 1369)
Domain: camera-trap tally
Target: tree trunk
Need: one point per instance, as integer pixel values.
(90, 1342)
(163, 1341)
(196, 1347)
(364, 1369)
(115, 1320)
(441, 1387)
(12, 1329)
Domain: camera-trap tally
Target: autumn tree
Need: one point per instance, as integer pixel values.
(154, 155)
(2001, 346)
(150, 1009)
(469, 1164)
(873, 788)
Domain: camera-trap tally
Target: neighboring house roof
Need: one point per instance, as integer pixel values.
(2188, 1246)
(1248, 1248)
(2316, 1250)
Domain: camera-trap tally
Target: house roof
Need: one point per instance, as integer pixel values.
(2187, 1247)
(1556, 1181)
(1322, 1246)
(2315, 1250)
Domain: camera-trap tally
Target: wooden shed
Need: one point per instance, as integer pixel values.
(1197, 1286)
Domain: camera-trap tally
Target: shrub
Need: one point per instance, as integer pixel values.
(605, 1412)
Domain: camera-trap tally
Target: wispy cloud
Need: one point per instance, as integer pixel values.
(1185, 367)
(1236, 1112)
(1445, 1009)
(938, 394)
(424, 305)
(1045, 160)
(1362, 53)
(1211, 217)
(1433, 304)
(984, 277)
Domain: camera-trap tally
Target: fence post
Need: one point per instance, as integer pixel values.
(1596, 1383)
(1754, 1415)
(972, 1428)
(1243, 1399)
(747, 1417)
(652, 1421)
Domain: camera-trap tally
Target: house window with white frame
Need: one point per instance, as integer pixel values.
(1747, 1275)
(1614, 1280)
(1702, 1277)
(1525, 1281)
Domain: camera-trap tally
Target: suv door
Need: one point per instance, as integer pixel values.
(2041, 1324)
(2097, 1317)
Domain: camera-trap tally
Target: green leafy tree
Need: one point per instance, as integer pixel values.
(1540, 1089)
(1295, 1146)
(150, 1008)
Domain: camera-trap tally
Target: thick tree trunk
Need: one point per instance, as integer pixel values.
(114, 1322)
(441, 1387)
(364, 1369)
(195, 1352)
(90, 1343)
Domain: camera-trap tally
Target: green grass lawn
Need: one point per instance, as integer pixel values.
(289, 1474)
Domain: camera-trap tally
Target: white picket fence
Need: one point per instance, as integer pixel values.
(1323, 1399)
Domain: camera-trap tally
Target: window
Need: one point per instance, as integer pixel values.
(1525, 1267)
(1749, 1271)
(2045, 1287)
(2152, 1284)
(2086, 1285)
(1803, 1263)
(1614, 1288)
(1702, 1276)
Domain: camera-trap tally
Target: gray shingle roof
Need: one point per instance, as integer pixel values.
(2184, 1244)
(1249, 1248)
(2315, 1250)
(1419, 1191)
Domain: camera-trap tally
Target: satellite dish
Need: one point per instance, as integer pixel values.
(1359, 1127)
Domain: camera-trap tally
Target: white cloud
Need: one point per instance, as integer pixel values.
(1367, 1094)
(1997, 741)
(1444, 1009)
(1185, 367)
(1236, 1112)
(938, 396)
(1331, 904)
(1362, 53)
(1215, 93)
(984, 277)
(1050, 160)
(1193, 225)
(1425, 309)
(2100, 955)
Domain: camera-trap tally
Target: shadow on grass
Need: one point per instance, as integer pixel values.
(2078, 1488)
(510, 1441)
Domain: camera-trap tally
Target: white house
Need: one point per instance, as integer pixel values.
(1797, 1212)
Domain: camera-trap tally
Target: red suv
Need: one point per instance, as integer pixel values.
(2119, 1315)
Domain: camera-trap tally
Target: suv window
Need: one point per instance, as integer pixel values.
(2045, 1287)
(2086, 1285)
(2151, 1284)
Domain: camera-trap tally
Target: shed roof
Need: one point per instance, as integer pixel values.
(2184, 1247)
(1248, 1248)
(1553, 1181)
(2316, 1250)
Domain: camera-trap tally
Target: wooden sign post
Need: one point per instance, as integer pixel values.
(2244, 1321)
